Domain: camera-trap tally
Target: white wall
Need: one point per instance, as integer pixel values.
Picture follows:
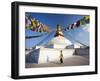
(53, 54)
(5, 41)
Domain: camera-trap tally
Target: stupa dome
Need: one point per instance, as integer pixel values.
(60, 40)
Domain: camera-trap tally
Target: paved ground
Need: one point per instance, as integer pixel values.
(75, 60)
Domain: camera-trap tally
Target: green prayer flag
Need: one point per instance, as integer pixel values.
(82, 21)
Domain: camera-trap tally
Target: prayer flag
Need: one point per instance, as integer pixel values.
(82, 22)
(78, 23)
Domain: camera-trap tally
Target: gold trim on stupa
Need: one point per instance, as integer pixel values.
(58, 31)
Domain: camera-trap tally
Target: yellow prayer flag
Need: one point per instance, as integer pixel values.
(87, 17)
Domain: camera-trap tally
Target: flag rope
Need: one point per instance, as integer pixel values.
(29, 37)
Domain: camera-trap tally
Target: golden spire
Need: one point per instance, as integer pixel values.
(58, 31)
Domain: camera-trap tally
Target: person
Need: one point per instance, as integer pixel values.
(61, 57)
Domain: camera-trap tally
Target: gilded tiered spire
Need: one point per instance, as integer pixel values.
(58, 31)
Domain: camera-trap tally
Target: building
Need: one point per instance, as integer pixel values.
(51, 51)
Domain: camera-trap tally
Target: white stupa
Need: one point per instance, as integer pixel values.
(59, 41)
(51, 51)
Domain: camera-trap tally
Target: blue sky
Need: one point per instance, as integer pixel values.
(52, 20)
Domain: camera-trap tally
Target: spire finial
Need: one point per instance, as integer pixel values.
(58, 31)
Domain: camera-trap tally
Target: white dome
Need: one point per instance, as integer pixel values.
(60, 40)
